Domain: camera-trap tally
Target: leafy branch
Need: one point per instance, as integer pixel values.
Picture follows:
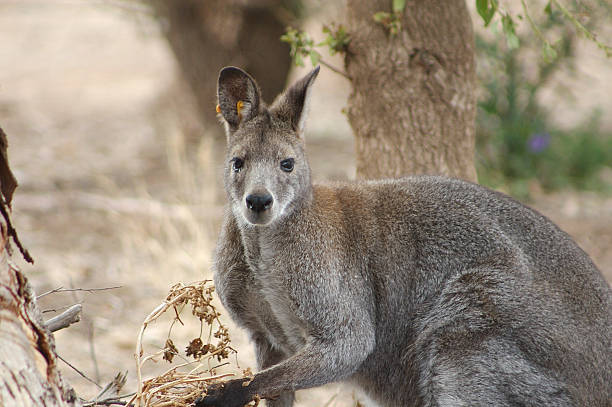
(581, 28)
(487, 9)
(303, 46)
(548, 51)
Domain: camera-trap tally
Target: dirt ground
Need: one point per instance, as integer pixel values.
(111, 194)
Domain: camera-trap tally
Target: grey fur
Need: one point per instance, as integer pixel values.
(424, 291)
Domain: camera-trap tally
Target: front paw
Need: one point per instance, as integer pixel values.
(233, 393)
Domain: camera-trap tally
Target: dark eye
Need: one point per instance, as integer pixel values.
(237, 164)
(287, 165)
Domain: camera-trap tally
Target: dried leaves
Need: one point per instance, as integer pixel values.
(170, 350)
(182, 384)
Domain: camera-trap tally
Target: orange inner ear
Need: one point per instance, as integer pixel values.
(239, 106)
(218, 109)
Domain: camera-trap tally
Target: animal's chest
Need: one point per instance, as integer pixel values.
(278, 315)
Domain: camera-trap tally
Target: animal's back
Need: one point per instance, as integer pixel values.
(458, 269)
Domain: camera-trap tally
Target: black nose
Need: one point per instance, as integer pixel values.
(259, 202)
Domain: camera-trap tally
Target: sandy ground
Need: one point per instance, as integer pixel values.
(89, 98)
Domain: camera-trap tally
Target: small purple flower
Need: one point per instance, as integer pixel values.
(538, 142)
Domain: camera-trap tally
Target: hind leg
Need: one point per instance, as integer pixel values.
(491, 371)
(484, 343)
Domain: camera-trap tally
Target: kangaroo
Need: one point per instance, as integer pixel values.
(422, 291)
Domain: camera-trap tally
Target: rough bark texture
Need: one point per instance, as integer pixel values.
(28, 372)
(413, 103)
(206, 35)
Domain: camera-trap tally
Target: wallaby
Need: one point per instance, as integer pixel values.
(422, 291)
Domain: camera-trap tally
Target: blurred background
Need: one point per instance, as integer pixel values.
(109, 113)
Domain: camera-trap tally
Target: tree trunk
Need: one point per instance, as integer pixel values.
(29, 374)
(206, 35)
(28, 370)
(413, 103)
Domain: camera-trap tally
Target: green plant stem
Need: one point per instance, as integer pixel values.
(583, 29)
(336, 70)
(533, 25)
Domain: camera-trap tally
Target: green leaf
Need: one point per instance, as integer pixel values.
(315, 57)
(512, 40)
(382, 17)
(548, 9)
(486, 9)
(510, 30)
(550, 54)
(481, 7)
(299, 61)
(326, 42)
(399, 6)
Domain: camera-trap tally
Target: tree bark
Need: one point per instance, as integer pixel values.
(29, 375)
(413, 103)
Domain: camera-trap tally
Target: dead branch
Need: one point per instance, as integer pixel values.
(29, 375)
(58, 309)
(83, 375)
(8, 183)
(65, 319)
(65, 290)
(112, 389)
(109, 395)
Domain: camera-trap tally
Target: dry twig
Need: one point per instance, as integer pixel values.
(83, 375)
(65, 319)
(66, 290)
(8, 183)
(180, 385)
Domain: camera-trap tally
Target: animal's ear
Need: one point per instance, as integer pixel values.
(293, 104)
(238, 96)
